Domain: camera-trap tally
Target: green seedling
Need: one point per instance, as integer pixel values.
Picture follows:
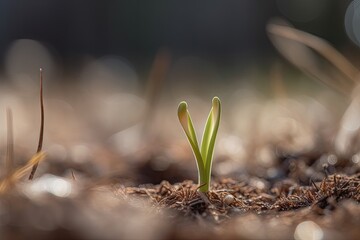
(203, 154)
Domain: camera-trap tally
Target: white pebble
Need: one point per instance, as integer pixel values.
(229, 199)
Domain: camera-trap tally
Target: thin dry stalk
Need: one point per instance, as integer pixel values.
(10, 143)
(41, 134)
(320, 46)
(277, 82)
(155, 84)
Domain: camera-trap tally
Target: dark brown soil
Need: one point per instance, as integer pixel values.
(331, 203)
(247, 208)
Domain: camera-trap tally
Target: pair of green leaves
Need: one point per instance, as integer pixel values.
(203, 154)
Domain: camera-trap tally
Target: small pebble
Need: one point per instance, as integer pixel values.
(229, 199)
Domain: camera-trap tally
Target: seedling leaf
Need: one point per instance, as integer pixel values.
(203, 157)
(210, 132)
(187, 125)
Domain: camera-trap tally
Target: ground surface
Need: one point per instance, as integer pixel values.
(282, 180)
(248, 207)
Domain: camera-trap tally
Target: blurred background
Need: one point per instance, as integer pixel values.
(115, 71)
(224, 33)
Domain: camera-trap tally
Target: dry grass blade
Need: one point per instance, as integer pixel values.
(16, 175)
(41, 134)
(295, 45)
(10, 143)
(319, 45)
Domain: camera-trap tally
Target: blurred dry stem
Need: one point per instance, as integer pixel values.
(10, 142)
(41, 134)
(277, 82)
(155, 84)
(324, 49)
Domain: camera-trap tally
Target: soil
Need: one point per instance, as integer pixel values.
(289, 204)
